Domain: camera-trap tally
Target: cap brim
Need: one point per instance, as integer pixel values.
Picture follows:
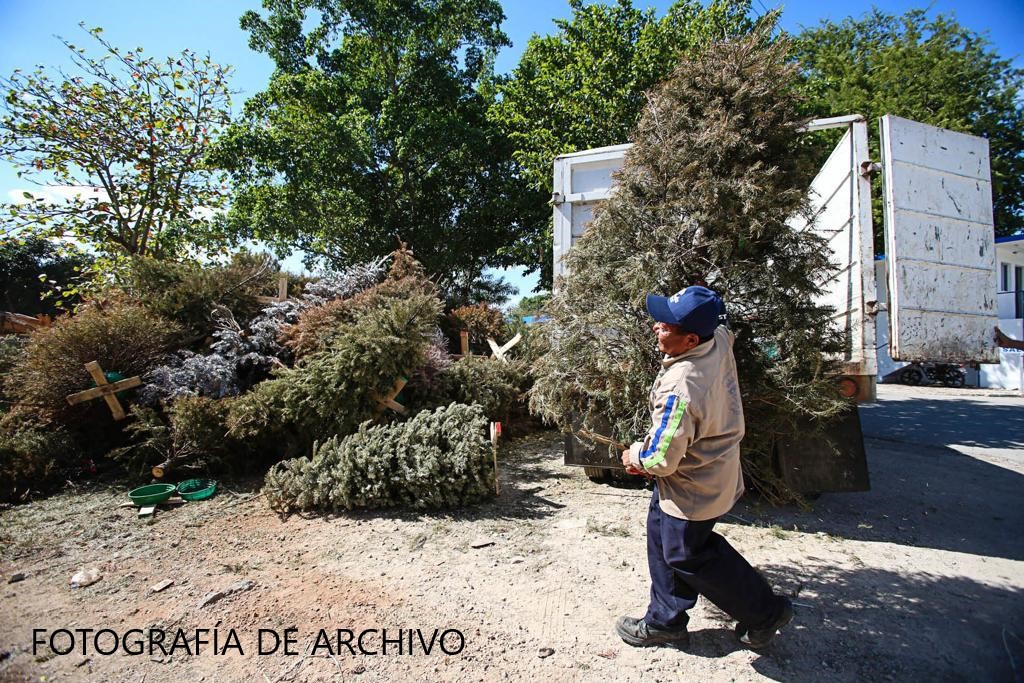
(658, 307)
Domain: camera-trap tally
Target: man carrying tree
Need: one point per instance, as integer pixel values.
(693, 452)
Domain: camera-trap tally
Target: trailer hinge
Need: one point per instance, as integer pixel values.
(556, 199)
(869, 169)
(873, 308)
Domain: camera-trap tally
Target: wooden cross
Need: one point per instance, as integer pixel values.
(500, 351)
(282, 292)
(388, 400)
(104, 389)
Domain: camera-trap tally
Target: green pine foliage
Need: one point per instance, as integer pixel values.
(496, 386)
(187, 292)
(318, 326)
(437, 459)
(191, 433)
(32, 454)
(500, 388)
(703, 198)
(335, 390)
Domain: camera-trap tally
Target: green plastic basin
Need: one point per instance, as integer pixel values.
(197, 489)
(152, 494)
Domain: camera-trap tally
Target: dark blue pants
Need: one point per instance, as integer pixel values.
(688, 559)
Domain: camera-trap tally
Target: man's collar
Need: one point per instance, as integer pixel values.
(696, 352)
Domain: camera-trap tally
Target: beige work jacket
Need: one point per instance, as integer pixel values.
(693, 446)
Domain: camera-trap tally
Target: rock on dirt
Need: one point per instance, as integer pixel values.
(85, 577)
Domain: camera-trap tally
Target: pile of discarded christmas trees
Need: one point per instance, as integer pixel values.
(345, 386)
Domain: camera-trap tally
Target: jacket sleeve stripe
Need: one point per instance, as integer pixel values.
(665, 418)
(673, 427)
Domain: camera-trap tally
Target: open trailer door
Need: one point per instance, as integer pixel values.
(939, 242)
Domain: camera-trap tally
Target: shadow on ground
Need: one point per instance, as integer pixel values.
(871, 624)
(924, 493)
(867, 624)
(965, 420)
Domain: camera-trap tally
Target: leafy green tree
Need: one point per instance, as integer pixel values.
(931, 70)
(28, 265)
(531, 305)
(585, 85)
(124, 137)
(373, 129)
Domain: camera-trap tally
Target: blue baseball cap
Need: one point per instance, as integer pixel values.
(694, 309)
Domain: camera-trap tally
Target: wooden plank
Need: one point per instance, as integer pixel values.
(396, 406)
(388, 400)
(464, 342)
(510, 343)
(598, 438)
(500, 351)
(115, 407)
(282, 292)
(24, 319)
(97, 376)
(96, 372)
(495, 435)
(495, 349)
(96, 392)
(21, 324)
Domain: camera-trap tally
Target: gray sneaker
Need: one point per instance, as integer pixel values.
(639, 633)
(758, 639)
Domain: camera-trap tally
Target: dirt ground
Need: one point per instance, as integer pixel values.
(919, 579)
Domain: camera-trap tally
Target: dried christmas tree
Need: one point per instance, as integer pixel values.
(354, 355)
(438, 459)
(189, 434)
(317, 325)
(336, 389)
(703, 198)
(239, 358)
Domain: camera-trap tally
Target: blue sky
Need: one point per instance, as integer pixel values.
(28, 30)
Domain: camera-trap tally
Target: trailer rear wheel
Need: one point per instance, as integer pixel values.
(913, 376)
(954, 377)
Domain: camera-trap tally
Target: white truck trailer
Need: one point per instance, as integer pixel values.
(939, 265)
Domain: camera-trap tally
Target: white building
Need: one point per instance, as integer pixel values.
(1010, 302)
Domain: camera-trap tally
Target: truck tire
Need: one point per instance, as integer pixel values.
(912, 376)
(954, 379)
(598, 474)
